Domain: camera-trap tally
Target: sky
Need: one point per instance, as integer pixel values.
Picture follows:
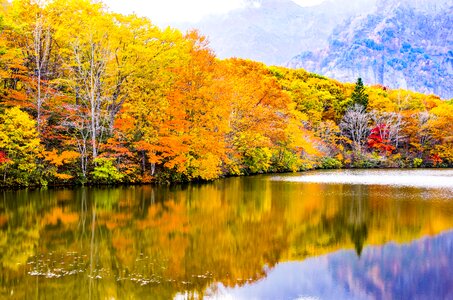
(166, 12)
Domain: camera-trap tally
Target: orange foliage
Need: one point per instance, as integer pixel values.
(161, 107)
(58, 160)
(58, 215)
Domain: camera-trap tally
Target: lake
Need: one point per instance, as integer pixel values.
(354, 234)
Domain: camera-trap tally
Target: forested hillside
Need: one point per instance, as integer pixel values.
(396, 43)
(89, 96)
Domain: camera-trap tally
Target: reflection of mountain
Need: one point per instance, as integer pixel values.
(158, 241)
(419, 270)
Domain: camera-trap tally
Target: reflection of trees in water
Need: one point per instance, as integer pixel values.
(350, 221)
(179, 238)
(92, 250)
(358, 234)
(358, 216)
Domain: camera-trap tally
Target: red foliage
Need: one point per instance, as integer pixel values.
(435, 158)
(377, 139)
(3, 158)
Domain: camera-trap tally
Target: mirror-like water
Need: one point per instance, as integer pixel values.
(315, 235)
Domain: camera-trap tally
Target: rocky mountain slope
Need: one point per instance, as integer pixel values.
(403, 44)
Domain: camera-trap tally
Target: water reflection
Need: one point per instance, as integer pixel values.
(418, 270)
(183, 241)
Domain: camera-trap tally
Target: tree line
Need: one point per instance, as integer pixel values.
(91, 96)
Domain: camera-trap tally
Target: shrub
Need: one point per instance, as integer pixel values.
(106, 172)
(417, 162)
(330, 163)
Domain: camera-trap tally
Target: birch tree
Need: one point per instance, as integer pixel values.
(33, 34)
(355, 126)
(42, 45)
(85, 30)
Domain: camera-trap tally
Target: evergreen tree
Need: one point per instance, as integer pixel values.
(359, 96)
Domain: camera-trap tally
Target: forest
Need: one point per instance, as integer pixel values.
(88, 96)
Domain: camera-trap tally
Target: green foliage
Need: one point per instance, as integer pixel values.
(277, 72)
(258, 160)
(105, 172)
(417, 163)
(362, 160)
(285, 160)
(359, 95)
(314, 75)
(330, 163)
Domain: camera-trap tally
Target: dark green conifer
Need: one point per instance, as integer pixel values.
(359, 96)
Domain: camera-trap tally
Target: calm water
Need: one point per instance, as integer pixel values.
(315, 235)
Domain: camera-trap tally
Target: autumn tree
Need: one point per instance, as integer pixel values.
(107, 58)
(206, 108)
(332, 146)
(386, 134)
(355, 126)
(95, 61)
(14, 74)
(441, 129)
(30, 29)
(20, 148)
(257, 117)
(143, 122)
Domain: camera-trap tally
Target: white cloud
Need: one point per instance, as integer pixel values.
(308, 2)
(164, 12)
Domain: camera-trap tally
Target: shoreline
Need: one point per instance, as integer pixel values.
(157, 183)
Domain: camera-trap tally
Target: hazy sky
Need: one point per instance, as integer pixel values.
(163, 12)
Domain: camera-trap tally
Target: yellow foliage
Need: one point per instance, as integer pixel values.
(207, 167)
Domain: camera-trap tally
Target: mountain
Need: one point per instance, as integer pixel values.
(395, 43)
(403, 44)
(274, 31)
